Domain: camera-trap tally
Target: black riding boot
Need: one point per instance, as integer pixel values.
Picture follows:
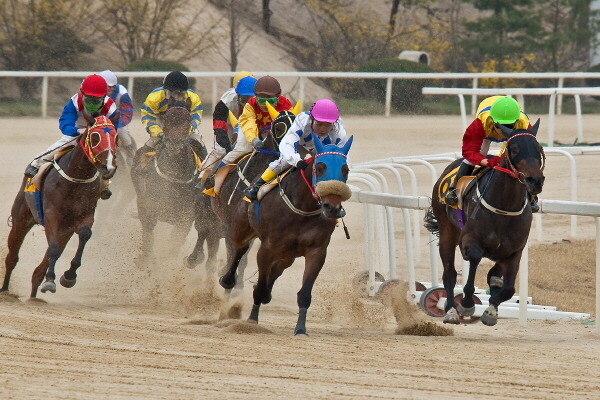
(252, 191)
(199, 149)
(451, 197)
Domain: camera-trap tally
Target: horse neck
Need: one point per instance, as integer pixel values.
(503, 191)
(298, 192)
(176, 162)
(76, 164)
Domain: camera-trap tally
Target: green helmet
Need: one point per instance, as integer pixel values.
(505, 110)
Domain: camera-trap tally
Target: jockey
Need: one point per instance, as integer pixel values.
(491, 112)
(77, 114)
(125, 106)
(175, 88)
(324, 121)
(255, 118)
(232, 100)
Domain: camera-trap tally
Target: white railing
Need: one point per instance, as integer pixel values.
(546, 206)
(520, 92)
(474, 77)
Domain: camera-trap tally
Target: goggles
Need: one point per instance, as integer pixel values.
(92, 104)
(263, 100)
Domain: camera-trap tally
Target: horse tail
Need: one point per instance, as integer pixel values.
(431, 223)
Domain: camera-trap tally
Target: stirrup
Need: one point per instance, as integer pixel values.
(252, 192)
(31, 171)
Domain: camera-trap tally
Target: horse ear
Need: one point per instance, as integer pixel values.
(318, 145)
(346, 148)
(507, 131)
(535, 127)
(233, 121)
(272, 111)
(297, 108)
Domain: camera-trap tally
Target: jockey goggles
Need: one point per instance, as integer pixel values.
(263, 100)
(91, 103)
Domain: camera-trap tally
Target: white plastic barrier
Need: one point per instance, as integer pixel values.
(546, 206)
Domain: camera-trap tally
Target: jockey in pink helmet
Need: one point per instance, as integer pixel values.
(324, 120)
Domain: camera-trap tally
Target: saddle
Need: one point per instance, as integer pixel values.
(222, 173)
(464, 185)
(267, 187)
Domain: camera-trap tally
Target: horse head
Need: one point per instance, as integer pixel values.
(99, 143)
(525, 156)
(282, 121)
(176, 125)
(330, 175)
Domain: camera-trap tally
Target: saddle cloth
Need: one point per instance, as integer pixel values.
(463, 186)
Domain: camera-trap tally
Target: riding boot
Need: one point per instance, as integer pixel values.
(252, 191)
(30, 171)
(199, 148)
(534, 204)
(451, 197)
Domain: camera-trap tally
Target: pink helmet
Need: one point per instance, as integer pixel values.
(325, 110)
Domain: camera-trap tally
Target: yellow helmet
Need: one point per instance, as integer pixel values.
(239, 75)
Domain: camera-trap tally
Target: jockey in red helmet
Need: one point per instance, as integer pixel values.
(77, 114)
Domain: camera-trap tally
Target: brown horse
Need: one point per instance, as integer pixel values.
(494, 223)
(70, 192)
(294, 220)
(164, 182)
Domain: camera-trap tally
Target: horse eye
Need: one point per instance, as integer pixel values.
(320, 169)
(345, 171)
(94, 139)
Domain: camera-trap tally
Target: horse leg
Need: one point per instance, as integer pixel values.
(148, 225)
(313, 262)
(212, 244)
(179, 234)
(69, 277)
(474, 254)
(19, 230)
(55, 250)
(234, 255)
(494, 278)
(448, 242)
(510, 267)
(197, 255)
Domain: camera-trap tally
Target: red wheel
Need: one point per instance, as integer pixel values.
(466, 320)
(420, 287)
(429, 301)
(360, 280)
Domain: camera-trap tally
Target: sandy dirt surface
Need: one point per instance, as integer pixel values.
(153, 331)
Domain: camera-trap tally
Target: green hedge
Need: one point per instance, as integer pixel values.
(143, 86)
(406, 93)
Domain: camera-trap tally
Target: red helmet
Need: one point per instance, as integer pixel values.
(94, 85)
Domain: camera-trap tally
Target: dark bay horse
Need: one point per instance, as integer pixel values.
(293, 220)
(495, 223)
(164, 181)
(248, 170)
(70, 192)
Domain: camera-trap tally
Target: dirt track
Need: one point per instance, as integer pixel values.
(153, 332)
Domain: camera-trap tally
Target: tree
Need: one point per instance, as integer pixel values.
(156, 29)
(266, 16)
(238, 34)
(41, 35)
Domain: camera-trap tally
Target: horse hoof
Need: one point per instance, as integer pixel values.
(300, 332)
(490, 316)
(48, 286)
(68, 283)
(187, 263)
(452, 317)
(225, 284)
(466, 311)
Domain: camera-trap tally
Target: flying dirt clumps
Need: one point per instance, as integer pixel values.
(410, 320)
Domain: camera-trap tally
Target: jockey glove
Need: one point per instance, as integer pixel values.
(494, 161)
(301, 164)
(222, 139)
(257, 143)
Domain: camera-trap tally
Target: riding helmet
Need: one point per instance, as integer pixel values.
(94, 85)
(505, 110)
(267, 85)
(109, 77)
(245, 86)
(325, 110)
(239, 75)
(176, 80)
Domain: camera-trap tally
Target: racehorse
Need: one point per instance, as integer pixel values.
(296, 219)
(494, 223)
(164, 181)
(69, 194)
(246, 171)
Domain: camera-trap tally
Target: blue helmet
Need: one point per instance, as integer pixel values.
(245, 86)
